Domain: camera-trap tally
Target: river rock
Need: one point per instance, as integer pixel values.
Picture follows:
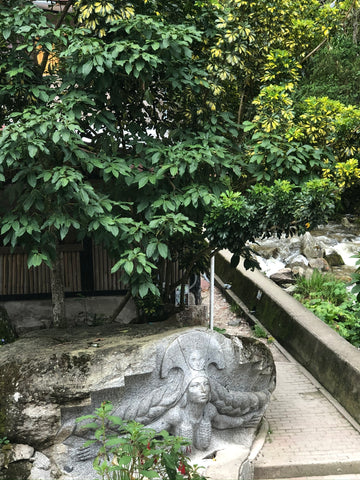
(319, 264)
(310, 248)
(283, 276)
(333, 258)
(297, 260)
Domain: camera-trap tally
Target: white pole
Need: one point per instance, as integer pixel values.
(211, 306)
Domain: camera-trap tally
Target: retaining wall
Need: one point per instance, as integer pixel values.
(333, 361)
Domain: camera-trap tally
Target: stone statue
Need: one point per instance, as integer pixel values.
(205, 387)
(194, 402)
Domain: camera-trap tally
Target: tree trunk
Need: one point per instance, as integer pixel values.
(57, 294)
(121, 305)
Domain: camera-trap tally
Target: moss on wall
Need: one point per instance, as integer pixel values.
(7, 333)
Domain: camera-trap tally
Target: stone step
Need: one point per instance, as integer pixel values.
(320, 471)
(327, 477)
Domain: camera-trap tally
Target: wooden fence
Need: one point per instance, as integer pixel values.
(85, 270)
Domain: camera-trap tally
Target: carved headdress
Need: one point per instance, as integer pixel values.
(192, 353)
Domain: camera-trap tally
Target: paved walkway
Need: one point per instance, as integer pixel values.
(310, 436)
(309, 433)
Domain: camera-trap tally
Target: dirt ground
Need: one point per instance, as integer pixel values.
(225, 316)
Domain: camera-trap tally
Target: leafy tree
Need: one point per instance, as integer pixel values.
(121, 122)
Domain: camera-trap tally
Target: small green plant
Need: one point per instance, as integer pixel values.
(234, 308)
(329, 300)
(149, 307)
(128, 450)
(4, 441)
(219, 330)
(259, 332)
(319, 285)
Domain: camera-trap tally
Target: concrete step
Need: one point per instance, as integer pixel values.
(331, 477)
(327, 470)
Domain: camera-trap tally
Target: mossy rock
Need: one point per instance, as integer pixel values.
(7, 333)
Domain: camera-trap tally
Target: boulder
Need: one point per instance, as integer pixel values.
(51, 377)
(310, 248)
(319, 264)
(333, 258)
(284, 276)
(296, 261)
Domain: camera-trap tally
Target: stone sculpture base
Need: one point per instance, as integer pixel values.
(50, 378)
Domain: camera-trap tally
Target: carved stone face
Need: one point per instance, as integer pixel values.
(199, 390)
(196, 360)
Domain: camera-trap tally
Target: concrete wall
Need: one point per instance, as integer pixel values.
(26, 315)
(333, 361)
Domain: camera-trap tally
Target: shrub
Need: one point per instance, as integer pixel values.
(128, 450)
(329, 300)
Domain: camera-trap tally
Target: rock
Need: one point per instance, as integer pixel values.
(21, 452)
(15, 461)
(41, 461)
(319, 264)
(298, 271)
(51, 377)
(16, 471)
(11, 453)
(296, 260)
(283, 276)
(333, 258)
(41, 468)
(310, 248)
(345, 222)
(265, 251)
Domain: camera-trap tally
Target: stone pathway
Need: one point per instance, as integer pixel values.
(310, 436)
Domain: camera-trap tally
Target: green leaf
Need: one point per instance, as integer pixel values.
(143, 290)
(32, 180)
(32, 150)
(163, 250)
(56, 136)
(143, 181)
(6, 33)
(86, 68)
(35, 259)
(128, 267)
(151, 249)
(149, 473)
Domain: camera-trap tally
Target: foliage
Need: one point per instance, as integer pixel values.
(330, 300)
(259, 332)
(356, 279)
(128, 450)
(334, 72)
(264, 211)
(4, 441)
(149, 307)
(122, 123)
(273, 150)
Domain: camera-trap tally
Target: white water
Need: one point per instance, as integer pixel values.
(345, 241)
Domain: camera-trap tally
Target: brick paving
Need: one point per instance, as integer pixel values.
(310, 436)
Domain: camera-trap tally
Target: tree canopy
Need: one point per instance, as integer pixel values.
(133, 122)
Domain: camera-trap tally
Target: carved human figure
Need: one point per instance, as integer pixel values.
(191, 400)
(194, 416)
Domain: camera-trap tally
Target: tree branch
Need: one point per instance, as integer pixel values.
(313, 51)
(58, 25)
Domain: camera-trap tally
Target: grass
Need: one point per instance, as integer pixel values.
(329, 299)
